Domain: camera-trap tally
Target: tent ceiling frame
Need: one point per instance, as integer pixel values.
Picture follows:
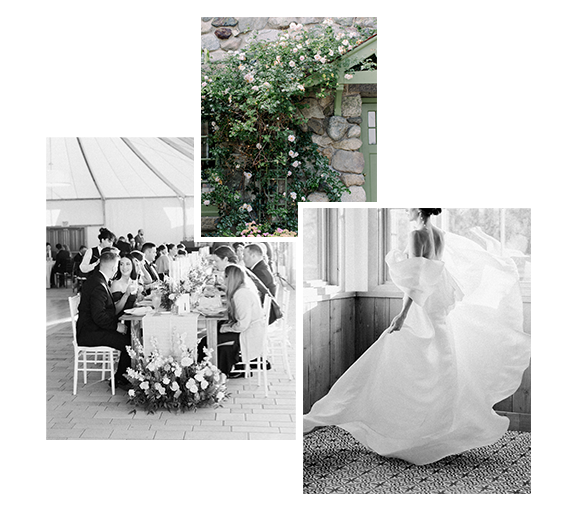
(177, 147)
(151, 167)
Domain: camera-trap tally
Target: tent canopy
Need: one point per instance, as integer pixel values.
(103, 168)
(123, 184)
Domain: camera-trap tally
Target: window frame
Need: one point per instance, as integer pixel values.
(385, 284)
(330, 241)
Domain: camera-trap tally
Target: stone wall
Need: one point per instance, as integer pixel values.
(337, 136)
(222, 35)
(339, 140)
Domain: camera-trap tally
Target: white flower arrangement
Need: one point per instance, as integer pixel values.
(178, 383)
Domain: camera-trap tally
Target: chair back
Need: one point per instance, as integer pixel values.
(73, 303)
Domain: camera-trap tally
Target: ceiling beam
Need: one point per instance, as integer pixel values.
(149, 165)
(184, 151)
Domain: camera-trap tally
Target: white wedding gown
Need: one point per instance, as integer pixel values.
(427, 391)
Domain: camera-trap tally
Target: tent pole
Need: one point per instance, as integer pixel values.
(183, 202)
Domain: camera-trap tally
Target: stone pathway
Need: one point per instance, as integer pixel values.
(95, 414)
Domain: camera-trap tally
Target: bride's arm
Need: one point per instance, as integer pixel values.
(415, 249)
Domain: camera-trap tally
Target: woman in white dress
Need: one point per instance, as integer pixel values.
(425, 389)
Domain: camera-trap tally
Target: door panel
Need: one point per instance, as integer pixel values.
(369, 137)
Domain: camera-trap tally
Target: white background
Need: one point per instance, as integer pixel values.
(477, 109)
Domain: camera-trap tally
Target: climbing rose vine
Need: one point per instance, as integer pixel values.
(262, 158)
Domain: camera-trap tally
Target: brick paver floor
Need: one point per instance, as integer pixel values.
(95, 414)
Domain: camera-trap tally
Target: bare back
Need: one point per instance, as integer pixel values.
(427, 243)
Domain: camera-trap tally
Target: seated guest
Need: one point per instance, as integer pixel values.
(162, 262)
(244, 316)
(149, 251)
(239, 250)
(78, 259)
(124, 286)
(224, 255)
(92, 256)
(98, 323)
(49, 252)
(144, 277)
(172, 251)
(254, 260)
(123, 246)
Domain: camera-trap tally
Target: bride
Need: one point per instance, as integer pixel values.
(425, 389)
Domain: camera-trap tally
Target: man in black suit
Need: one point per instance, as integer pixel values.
(254, 261)
(149, 251)
(97, 323)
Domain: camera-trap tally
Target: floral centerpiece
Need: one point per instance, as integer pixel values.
(193, 283)
(176, 382)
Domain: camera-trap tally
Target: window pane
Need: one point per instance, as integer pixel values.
(399, 226)
(518, 240)
(371, 136)
(312, 237)
(371, 118)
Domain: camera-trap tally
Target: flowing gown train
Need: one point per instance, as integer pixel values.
(427, 391)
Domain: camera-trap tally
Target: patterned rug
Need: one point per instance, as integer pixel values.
(334, 462)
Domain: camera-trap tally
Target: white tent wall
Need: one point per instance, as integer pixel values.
(74, 212)
(162, 219)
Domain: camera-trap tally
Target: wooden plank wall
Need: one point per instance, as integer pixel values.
(328, 345)
(337, 331)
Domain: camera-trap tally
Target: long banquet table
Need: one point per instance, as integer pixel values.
(161, 323)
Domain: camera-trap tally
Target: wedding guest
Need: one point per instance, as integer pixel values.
(254, 260)
(149, 251)
(131, 241)
(139, 239)
(53, 270)
(98, 323)
(224, 255)
(123, 246)
(63, 262)
(162, 262)
(172, 251)
(244, 315)
(124, 286)
(239, 249)
(91, 258)
(49, 252)
(144, 277)
(181, 249)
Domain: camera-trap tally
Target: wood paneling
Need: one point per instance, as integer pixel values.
(337, 331)
(328, 346)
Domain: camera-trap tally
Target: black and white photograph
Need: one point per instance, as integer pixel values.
(416, 336)
(149, 333)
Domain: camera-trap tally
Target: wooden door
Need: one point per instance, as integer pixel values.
(369, 147)
(74, 237)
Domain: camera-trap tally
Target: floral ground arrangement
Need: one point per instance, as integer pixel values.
(262, 160)
(175, 382)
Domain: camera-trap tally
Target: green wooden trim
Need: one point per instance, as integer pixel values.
(362, 77)
(356, 56)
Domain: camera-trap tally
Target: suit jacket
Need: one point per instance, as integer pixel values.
(151, 269)
(96, 312)
(262, 272)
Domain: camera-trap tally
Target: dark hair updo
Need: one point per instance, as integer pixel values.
(106, 234)
(430, 212)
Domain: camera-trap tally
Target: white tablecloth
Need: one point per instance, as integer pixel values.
(166, 328)
(49, 266)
